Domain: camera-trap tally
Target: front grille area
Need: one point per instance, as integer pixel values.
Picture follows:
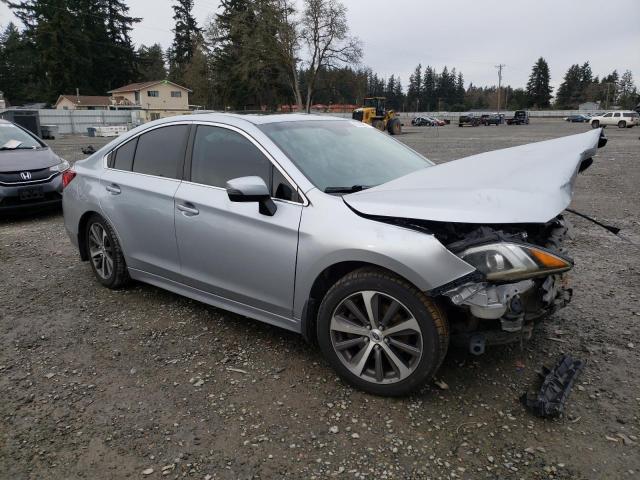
(13, 178)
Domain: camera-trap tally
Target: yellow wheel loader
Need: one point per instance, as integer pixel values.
(375, 114)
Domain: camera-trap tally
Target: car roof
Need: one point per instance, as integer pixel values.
(261, 119)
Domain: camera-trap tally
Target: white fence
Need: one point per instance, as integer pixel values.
(77, 121)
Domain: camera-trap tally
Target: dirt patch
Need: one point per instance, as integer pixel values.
(103, 384)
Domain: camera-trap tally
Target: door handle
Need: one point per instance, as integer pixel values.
(188, 209)
(113, 189)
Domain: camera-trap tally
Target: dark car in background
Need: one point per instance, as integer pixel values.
(520, 117)
(578, 118)
(468, 119)
(491, 119)
(30, 173)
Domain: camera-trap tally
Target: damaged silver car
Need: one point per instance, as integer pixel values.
(331, 229)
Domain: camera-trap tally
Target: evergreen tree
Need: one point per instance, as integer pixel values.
(17, 70)
(186, 34)
(570, 90)
(538, 91)
(415, 89)
(429, 89)
(118, 59)
(150, 63)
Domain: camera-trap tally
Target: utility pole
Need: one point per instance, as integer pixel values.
(499, 67)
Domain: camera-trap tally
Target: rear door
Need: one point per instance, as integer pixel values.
(228, 248)
(137, 197)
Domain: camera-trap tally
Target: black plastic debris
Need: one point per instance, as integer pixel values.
(88, 150)
(550, 399)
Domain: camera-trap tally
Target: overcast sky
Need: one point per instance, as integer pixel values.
(471, 35)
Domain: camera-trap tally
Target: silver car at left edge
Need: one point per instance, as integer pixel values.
(329, 228)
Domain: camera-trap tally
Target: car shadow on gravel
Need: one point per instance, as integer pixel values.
(27, 215)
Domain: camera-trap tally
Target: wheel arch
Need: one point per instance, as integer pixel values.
(321, 285)
(82, 233)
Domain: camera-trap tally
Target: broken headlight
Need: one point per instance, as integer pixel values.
(513, 261)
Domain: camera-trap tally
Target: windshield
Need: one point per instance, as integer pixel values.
(12, 138)
(336, 154)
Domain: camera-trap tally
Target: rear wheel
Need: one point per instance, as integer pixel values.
(622, 124)
(394, 126)
(105, 254)
(595, 124)
(380, 333)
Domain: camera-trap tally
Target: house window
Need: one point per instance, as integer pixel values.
(137, 97)
(154, 116)
(153, 93)
(176, 94)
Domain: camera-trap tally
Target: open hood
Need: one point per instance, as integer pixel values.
(531, 183)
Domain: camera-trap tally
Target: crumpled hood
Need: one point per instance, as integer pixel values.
(530, 183)
(27, 159)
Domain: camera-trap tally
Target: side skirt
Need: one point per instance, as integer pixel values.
(216, 301)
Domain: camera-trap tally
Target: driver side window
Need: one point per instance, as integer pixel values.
(220, 154)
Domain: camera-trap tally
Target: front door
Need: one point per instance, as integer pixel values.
(227, 248)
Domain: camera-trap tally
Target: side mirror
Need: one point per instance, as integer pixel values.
(252, 189)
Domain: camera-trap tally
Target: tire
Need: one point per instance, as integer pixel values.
(378, 124)
(595, 124)
(102, 242)
(622, 124)
(394, 126)
(428, 333)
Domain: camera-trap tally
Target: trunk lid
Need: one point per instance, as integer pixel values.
(530, 183)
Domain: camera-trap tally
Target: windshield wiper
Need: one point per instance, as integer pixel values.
(351, 189)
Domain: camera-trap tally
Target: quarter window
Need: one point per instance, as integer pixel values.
(161, 151)
(123, 156)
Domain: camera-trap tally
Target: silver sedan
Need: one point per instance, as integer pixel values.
(334, 230)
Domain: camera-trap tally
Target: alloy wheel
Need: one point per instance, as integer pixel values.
(100, 251)
(376, 337)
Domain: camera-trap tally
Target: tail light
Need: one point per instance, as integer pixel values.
(67, 176)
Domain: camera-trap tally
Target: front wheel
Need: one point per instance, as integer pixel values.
(380, 333)
(595, 124)
(394, 126)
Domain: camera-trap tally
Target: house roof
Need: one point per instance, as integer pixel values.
(136, 87)
(86, 100)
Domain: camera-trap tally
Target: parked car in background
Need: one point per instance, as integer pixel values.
(520, 117)
(578, 118)
(421, 122)
(329, 228)
(622, 119)
(30, 173)
(491, 119)
(468, 119)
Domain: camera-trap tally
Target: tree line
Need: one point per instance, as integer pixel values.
(253, 54)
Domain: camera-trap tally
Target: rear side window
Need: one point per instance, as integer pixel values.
(220, 154)
(161, 151)
(122, 158)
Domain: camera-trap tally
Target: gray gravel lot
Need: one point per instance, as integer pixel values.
(143, 383)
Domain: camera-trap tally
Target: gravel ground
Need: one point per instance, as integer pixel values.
(143, 383)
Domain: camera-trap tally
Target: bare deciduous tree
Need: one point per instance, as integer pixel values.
(326, 34)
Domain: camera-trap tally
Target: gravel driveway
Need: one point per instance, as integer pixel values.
(142, 383)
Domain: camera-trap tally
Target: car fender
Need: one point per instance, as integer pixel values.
(345, 236)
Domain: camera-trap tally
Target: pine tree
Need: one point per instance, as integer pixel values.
(186, 34)
(570, 90)
(150, 63)
(628, 93)
(538, 91)
(17, 71)
(119, 58)
(429, 89)
(415, 89)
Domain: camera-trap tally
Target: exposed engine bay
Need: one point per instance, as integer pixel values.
(484, 311)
